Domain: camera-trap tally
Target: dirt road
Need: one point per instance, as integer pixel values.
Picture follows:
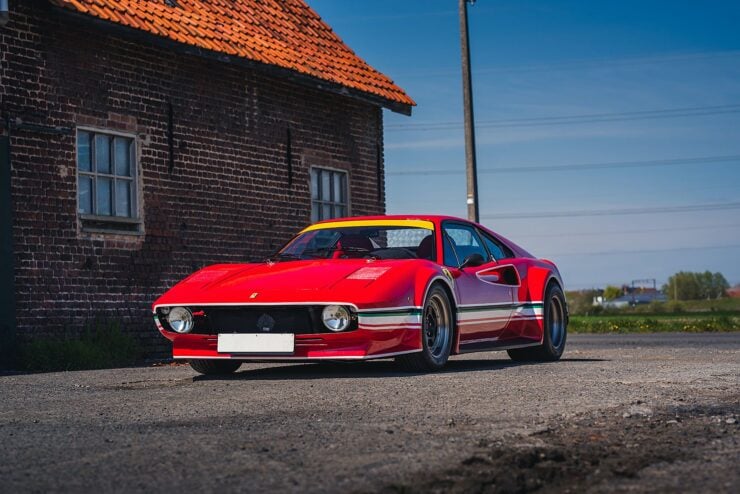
(630, 413)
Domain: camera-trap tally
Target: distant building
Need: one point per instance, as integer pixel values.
(632, 296)
(733, 292)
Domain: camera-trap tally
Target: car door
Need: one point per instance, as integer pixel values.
(484, 299)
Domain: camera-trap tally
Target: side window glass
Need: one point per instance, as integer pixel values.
(465, 241)
(450, 257)
(497, 250)
(494, 249)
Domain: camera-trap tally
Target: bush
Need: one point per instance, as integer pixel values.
(101, 345)
(652, 325)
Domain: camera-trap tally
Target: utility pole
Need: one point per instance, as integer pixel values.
(470, 164)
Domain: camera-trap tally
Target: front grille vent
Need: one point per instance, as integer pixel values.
(300, 319)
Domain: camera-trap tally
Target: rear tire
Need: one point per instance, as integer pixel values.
(213, 367)
(436, 334)
(555, 330)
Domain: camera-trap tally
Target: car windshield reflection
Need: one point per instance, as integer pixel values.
(380, 242)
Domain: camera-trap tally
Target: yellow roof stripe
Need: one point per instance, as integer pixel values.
(428, 225)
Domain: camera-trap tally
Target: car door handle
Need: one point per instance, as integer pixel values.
(490, 277)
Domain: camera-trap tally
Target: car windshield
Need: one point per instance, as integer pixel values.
(378, 242)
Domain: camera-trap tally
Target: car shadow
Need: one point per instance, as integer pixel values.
(370, 369)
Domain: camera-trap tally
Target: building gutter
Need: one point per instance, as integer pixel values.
(7, 261)
(4, 12)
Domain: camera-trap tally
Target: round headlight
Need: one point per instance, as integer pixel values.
(336, 317)
(180, 319)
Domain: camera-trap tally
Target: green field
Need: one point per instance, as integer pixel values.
(694, 316)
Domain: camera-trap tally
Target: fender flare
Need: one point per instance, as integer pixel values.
(425, 279)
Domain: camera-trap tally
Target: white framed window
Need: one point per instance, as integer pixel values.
(107, 186)
(329, 194)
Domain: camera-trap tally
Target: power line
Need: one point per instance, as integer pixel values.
(577, 64)
(645, 251)
(627, 232)
(580, 166)
(573, 119)
(617, 212)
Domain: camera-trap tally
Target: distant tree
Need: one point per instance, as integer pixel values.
(720, 285)
(581, 302)
(612, 292)
(706, 284)
(695, 286)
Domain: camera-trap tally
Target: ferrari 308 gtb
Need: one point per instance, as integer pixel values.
(417, 289)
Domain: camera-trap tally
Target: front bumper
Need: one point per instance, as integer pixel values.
(380, 333)
(360, 344)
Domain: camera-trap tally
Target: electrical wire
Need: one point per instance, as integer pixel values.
(571, 119)
(599, 63)
(644, 251)
(627, 232)
(617, 212)
(579, 166)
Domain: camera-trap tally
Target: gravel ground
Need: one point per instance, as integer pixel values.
(622, 413)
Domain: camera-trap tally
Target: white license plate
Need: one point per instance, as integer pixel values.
(256, 343)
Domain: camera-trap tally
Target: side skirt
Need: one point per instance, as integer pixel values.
(492, 345)
(269, 359)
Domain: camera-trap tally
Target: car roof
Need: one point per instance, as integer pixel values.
(437, 219)
(425, 217)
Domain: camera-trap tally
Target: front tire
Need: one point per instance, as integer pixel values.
(213, 367)
(436, 334)
(556, 330)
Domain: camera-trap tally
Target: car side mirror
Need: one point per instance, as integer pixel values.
(472, 261)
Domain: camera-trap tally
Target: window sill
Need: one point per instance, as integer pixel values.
(111, 224)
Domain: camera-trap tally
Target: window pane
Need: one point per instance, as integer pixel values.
(83, 151)
(314, 212)
(450, 259)
(314, 183)
(338, 196)
(496, 251)
(102, 154)
(328, 194)
(85, 195)
(123, 163)
(104, 194)
(465, 242)
(460, 236)
(326, 186)
(123, 198)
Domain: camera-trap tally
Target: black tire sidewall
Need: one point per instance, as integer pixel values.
(550, 350)
(426, 352)
(214, 367)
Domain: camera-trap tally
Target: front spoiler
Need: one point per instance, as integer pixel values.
(353, 345)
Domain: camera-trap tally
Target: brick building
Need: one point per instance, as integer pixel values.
(141, 140)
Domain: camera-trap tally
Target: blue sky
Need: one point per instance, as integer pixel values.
(664, 78)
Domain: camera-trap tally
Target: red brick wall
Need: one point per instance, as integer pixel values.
(227, 199)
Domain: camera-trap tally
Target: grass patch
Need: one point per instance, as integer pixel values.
(686, 323)
(713, 307)
(101, 345)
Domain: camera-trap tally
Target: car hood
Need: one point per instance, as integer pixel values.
(284, 282)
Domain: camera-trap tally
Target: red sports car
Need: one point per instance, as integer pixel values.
(418, 289)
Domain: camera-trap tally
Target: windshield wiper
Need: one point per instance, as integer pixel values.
(283, 256)
(353, 249)
(319, 252)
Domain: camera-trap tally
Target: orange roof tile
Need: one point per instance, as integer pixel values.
(284, 33)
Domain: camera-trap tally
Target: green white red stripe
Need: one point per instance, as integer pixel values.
(489, 315)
